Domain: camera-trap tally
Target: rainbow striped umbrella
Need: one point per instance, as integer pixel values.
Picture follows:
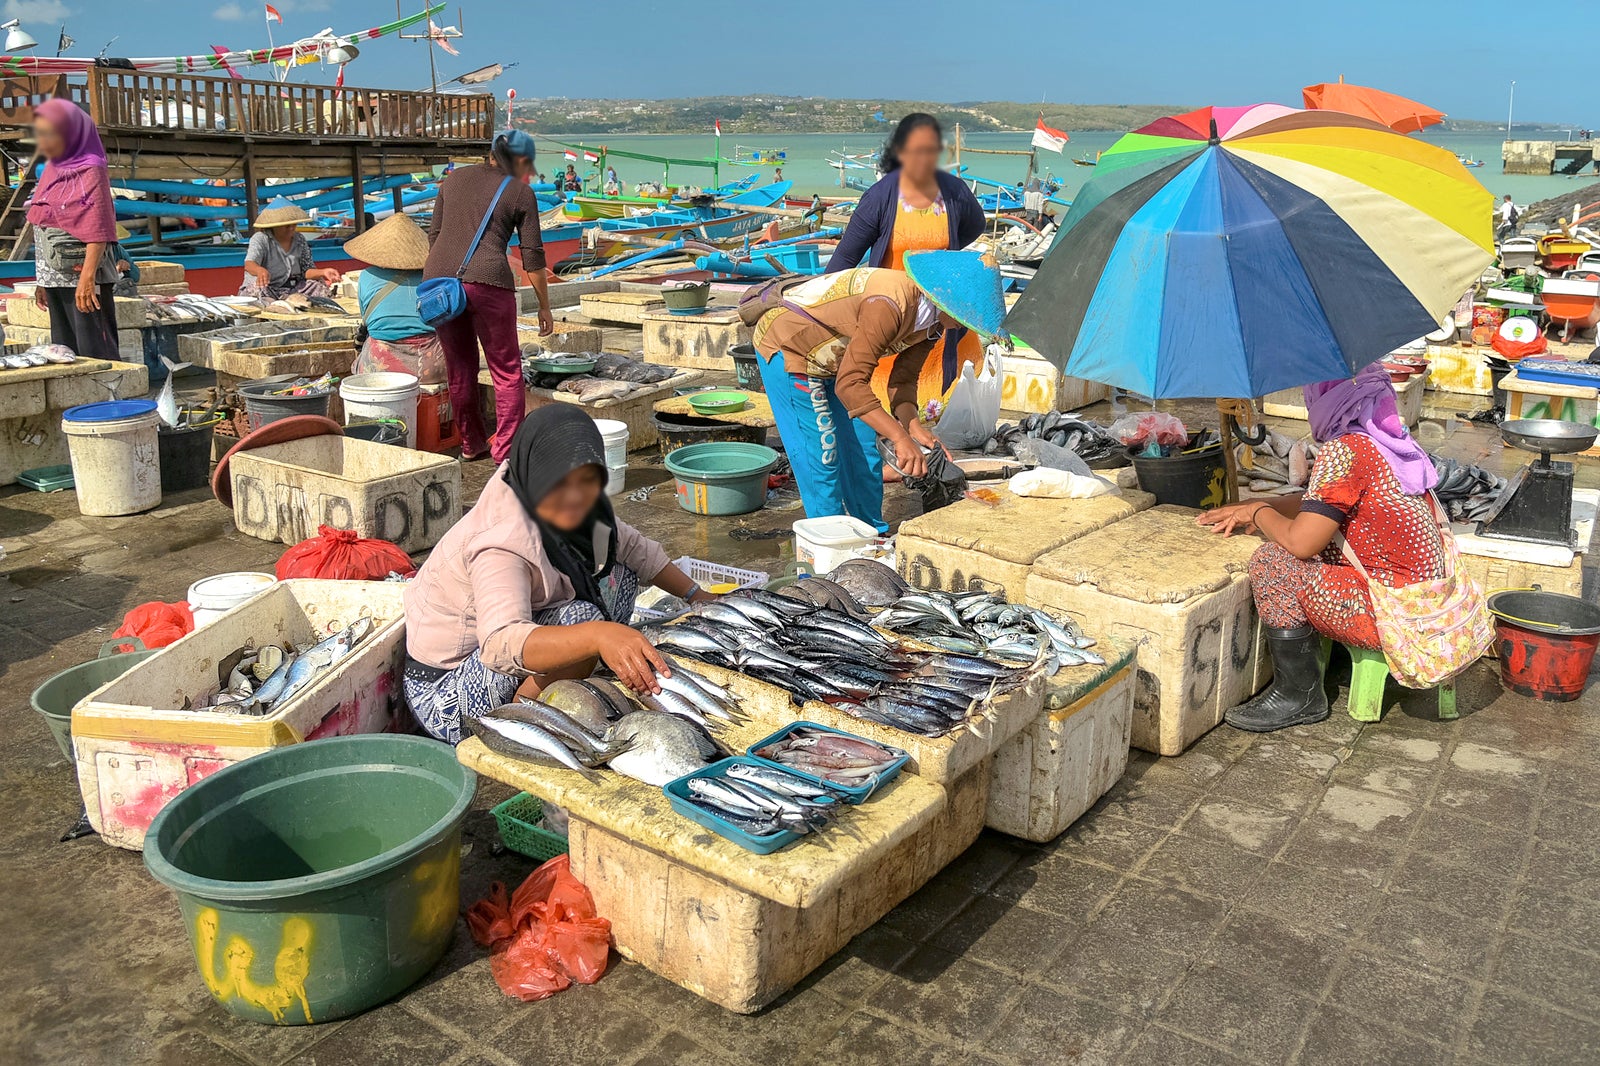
(1231, 252)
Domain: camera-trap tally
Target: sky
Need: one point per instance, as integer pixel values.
(1458, 56)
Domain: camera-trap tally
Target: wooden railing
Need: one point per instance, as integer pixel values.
(131, 102)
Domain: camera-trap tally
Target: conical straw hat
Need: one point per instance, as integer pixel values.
(396, 243)
(280, 212)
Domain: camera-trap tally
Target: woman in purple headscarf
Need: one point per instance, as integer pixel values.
(74, 225)
(1371, 483)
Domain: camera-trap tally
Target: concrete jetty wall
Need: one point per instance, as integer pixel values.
(1548, 157)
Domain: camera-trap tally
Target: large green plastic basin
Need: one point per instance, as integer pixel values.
(319, 879)
(722, 477)
(55, 698)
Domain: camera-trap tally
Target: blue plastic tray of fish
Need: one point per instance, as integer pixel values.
(677, 791)
(1559, 372)
(848, 793)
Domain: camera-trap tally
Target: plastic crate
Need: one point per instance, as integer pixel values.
(517, 817)
(706, 575)
(47, 478)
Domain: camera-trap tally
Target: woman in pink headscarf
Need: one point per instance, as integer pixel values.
(74, 225)
(1371, 484)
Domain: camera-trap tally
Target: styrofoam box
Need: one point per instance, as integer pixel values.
(136, 748)
(1182, 592)
(283, 492)
(1033, 386)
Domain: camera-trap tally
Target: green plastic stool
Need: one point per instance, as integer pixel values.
(1369, 672)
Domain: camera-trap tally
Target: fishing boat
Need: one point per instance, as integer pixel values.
(1560, 252)
(1005, 198)
(857, 172)
(1468, 161)
(609, 202)
(1518, 253)
(758, 157)
(1085, 161)
(1573, 302)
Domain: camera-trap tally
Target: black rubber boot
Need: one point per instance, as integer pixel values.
(1296, 696)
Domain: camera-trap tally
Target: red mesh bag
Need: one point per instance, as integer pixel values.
(342, 555)
(157, 624)
(545, 936)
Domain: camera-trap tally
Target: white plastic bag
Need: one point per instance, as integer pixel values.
(1059, 484)
(974, 408)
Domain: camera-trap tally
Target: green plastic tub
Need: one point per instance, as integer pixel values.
(56, 697)
(320, 879)
(722, 477)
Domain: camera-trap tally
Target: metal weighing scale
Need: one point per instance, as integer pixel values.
(1537, 504)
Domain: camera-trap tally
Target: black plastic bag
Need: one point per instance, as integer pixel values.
(942, 485)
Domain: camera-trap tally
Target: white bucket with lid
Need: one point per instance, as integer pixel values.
(820, 544)
(615, 436)
(384, 394)
(211, 596)
(616, 479)
(116, 464)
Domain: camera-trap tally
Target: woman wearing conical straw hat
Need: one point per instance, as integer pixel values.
(278, 262)
(397, 340)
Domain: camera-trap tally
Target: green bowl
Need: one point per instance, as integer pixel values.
(563, 366)
(725, 402)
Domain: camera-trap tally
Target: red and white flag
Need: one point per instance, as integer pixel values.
(719, 127)
(570, 156)
(1048, 137)
(590, 157)
(273, 16)
(338, 80)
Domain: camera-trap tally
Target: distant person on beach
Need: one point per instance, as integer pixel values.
(777, 175)
(1508, 219)
(74, 225)
(914, 207)
(397, 341)
(278, 262)
(490, 320)
(611, 177)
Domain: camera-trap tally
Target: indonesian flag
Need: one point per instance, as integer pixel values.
(570, 156)
(590, 157)
(338, 81)
(1049, 138)
(273, 16)
(719, 127)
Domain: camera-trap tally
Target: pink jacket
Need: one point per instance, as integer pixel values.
(489, 576)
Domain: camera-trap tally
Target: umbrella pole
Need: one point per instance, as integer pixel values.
(1232, 415)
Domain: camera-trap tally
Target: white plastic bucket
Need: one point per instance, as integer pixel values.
(615, 435)
(115, 454)
(616, 479)
(382, 395)
(211, 596)
(820, 544)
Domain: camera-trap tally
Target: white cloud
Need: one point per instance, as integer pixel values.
(37, 10)
(228, 13)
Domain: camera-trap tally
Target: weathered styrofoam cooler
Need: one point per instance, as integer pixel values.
(1291, 403)
(32, 402)
(738, 928)
(699, 342)
(1184, 592)
(1034, 385)
(1453, 368)
(971, 545)
(620, 308)
(565, 337)
(1495, 574)
(136, 750)
(637, 409)
(283, 492)
(1053, 771)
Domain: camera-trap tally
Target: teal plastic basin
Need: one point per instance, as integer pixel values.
(55, 698)
(722, 477)
(319, 879)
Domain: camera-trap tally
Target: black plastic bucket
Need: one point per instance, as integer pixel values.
(185, 454)
(747, 368)
(1198, 480)
(678, 430)
(379, 431)
(261, 409)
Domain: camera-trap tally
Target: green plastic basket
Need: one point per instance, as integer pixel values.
(517, 817)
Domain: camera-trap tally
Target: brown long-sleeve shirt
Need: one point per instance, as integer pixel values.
(463, 198)
(841, 325)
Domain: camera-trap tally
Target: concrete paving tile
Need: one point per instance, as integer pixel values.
(1046, 1026)
(1006, 935)
(1472, 889)
(1421, 751)
(1165, 917)
(1432, 938)
(1274, 790)
(1446, 833)
(1335, 901)
(1306, 759)
(1192, 769)
(985, 862)
(1057, 884)
(1470, 757)
(185, 1047)
(1208, 867)
(1380, 818)
(1244, 825)
(1427, 1005)
(928, 908)
(1160, 1045)
(1573, 871)
(1253, 1018)
(1539, 910)
(1338, 1037)
(1573, 783)
(945, 994)
(1514, 1031)
(1118, 968)
(1161, 806)
(1504, 801)
(1567, 823)
(265, 1044)
(861, 966)
(867, 1040)
(460, 992)
(571, 1027)
(1111, 841)
(387, 1036)
(1226, 745)
(1273, 949)
(1557, 971)
(1386, 774)
(675, 1049)
(1328, 847)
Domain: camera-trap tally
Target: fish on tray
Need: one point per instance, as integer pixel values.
(764, 800)
(833, 757)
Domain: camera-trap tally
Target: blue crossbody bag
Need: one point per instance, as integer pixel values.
(441, 299)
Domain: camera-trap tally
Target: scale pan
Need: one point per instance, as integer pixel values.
(1549, 435)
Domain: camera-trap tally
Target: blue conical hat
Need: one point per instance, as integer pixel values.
(963, 285)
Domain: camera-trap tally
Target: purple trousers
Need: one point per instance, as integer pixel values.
(490, 320)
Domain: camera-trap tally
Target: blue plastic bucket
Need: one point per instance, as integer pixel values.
(722, 477)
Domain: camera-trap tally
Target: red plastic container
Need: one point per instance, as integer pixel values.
(1546, 642)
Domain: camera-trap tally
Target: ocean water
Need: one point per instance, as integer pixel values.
(808, 152)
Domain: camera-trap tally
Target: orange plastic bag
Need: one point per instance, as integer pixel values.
(343, 555)
(545, 936)
(157, 624)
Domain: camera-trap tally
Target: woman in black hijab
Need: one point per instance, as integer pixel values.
(534, 584)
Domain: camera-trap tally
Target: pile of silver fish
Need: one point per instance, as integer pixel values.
(1091, 442)
(583, 725)
(39, 355)
(188, 307)
(260, 681)
(833, 757)
(612, 377)
(1469, 493)
(985, 623)
(1279, 465)
(764, 800)
(825, 654)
